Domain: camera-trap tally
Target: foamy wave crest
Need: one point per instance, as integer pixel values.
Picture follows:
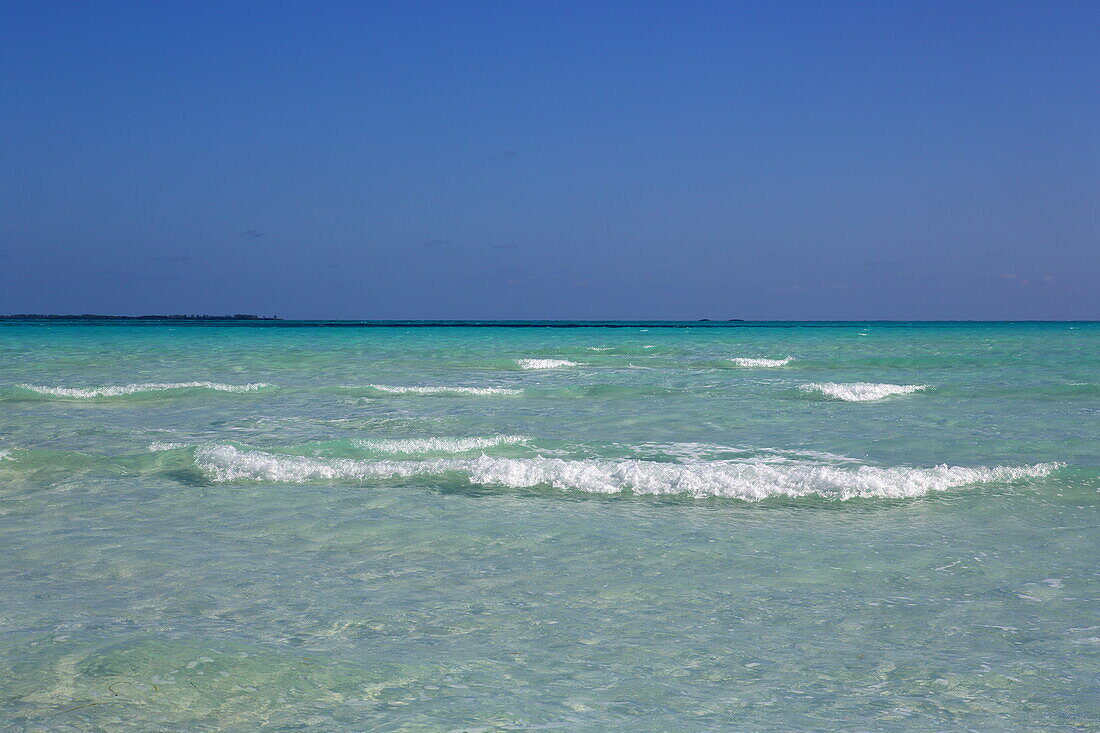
(439, 445)
(159, 447)
(691, 452)
(861, 391)
(545, 363)
(126, 389)
(749, 481)
(5, 454)
(758, 363)
(444, 390)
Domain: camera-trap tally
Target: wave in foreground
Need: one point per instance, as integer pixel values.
(761, 363)
(128, 389)
(387, 389)
(748, 481)
(861, 391)
(545, 363)
(438, 445)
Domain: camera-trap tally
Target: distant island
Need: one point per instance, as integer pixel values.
(174, 317)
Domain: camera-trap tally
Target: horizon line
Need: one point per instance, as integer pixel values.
(275, 321)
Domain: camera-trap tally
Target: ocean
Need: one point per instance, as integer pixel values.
(294, 526)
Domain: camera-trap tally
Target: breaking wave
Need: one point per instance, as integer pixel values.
(545, 363)
(748, 481)
(157, 447)
(861, 391)
(756, 363)
(386, 389)
(686, 452)
(438, 445)
(128, 389)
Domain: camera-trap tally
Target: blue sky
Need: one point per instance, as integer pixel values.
(551, 159)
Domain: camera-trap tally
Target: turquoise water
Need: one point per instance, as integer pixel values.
(323, 529)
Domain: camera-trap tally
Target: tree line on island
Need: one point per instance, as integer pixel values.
(173, 317)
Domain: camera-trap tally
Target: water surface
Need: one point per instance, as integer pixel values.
(649, 527)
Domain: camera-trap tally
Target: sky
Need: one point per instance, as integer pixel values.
(515, 160)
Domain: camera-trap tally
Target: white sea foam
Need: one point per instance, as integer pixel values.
(750, 481)
(861, 391)
(545, 363)
(5, 454)
(444, 390)
(599, 348)
(439, 445)
(757, 363)
(158, 447)
(126, 389)
(687, 452)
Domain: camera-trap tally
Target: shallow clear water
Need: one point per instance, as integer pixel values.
(896, 529)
